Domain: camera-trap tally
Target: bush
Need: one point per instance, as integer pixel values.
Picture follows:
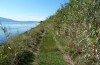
(23, 58)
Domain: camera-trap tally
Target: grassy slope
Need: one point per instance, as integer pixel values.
(72, 35)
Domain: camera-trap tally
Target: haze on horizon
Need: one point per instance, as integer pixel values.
(29, 10)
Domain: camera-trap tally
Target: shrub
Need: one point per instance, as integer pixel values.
(24, 57)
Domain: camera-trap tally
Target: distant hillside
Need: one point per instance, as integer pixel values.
(6, 20)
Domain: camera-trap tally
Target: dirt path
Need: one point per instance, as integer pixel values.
(66, 57)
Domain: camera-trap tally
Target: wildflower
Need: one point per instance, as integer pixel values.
(97, 56)
(9, 47)
(96, 50)
(15, 54)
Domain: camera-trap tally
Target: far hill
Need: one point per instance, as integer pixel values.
(6, 20)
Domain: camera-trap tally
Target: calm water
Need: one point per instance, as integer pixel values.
(14, 29)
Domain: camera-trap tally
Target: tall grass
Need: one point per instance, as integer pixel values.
(77, 24)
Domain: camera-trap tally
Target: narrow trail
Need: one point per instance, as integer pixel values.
(48, 53)
(66, 57)
(37, 46)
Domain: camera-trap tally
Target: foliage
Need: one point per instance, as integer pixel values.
(24, 57)
(75, 25)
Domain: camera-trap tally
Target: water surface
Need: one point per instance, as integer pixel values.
(14, 29)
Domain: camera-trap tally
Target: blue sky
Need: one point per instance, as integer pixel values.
(29, 10)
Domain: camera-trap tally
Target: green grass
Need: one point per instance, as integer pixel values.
(51, 58)
(49, 53)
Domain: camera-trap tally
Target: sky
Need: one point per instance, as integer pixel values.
(29, 10)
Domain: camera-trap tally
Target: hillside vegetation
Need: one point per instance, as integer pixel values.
(69, 37)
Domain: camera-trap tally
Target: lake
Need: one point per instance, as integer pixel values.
(14, 29)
